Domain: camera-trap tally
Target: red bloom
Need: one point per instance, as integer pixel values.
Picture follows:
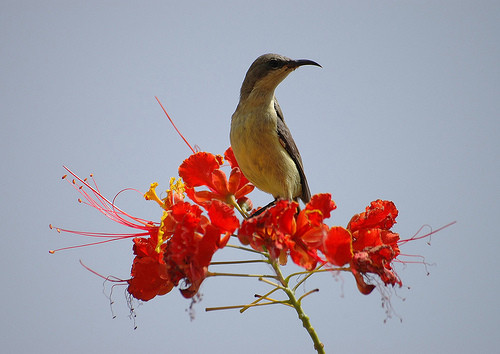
(367, 244)
(309, 231)
(374, 251)
(375, 246)
(337, 246)
(203, 169)
(322, 204)
(269, 231)
(149, 271)
(379, 214)
(194, 239)
(181, 247)
(149, 277)
(222, 216)
(197, 169)
(187, 240)
(279, 230)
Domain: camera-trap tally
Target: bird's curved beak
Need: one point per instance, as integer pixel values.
(300, 62)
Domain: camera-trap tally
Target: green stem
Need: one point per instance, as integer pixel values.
(254, 303)
(220, 274)
(310, 273)
(246, 249)
(298, 308)
(239, 262)
(245, 306)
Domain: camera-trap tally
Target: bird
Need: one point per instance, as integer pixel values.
(261, 141)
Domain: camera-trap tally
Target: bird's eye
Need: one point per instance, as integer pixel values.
(275, 64)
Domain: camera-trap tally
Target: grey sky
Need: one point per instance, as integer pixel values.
(405, 108)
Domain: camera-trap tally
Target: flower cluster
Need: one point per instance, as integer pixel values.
(281, 230)
(187, 239)
(196, 222)
(367, 244)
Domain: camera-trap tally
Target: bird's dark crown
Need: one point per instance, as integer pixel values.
(269, 64)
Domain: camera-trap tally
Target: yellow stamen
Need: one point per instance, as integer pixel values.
(178, 186)
(161, 232)
(151, 194)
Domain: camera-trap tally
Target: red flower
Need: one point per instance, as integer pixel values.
(187, 239)
(373, 246)
(181, 247)
(337, 246)
(379, 214)
(309, 231)
(269, 231)
(222, 216)
(279, 230)
(198, 168)
(149, 271)
(149, 277)
(194, 239)
(374, 251)
(202, 169)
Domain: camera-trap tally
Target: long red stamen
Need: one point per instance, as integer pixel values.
(399, 260)
(85, 245)
(95, 199)
(99, 234)
(108, 236)
(106, 207)
(108, 278)
(177, 130)
(416, 237)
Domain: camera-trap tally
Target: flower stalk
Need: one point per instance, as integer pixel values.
(297, 305)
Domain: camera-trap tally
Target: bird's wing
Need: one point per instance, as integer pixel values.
(288, 144)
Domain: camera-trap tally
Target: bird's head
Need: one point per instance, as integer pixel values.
(267, 71)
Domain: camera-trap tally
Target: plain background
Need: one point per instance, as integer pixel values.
(405, 108)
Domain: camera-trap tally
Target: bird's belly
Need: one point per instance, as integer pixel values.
(262, 158)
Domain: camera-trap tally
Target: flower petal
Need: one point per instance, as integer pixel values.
(234, 180)
(337, 246)
(219, 183)
(322, 202)
(229, 156)
(197, 169)
(379, 214)
(222, 216)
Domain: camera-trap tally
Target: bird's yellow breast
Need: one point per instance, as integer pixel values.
(259, 153)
